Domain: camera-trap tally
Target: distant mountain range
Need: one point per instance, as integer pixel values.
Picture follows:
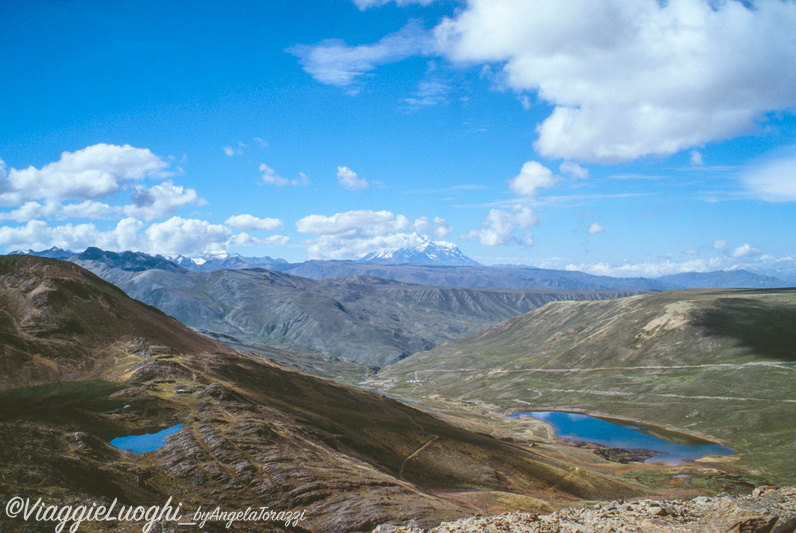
(440, 264)
(211, 262)
(363, 319)
(365, 313)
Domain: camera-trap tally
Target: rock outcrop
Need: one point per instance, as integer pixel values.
(766, 510)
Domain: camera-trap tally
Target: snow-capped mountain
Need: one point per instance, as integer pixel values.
(54, 253)
(210, 261)
(421, 251)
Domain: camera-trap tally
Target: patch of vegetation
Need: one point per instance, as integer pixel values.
(708, 481)
(91, 395)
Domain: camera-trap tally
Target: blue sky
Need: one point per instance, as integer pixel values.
(642, 138)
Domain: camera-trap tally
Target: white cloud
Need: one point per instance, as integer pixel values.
(275, 240)
(251, 223)
(349, 179)
(774, 181)
(745, 250)
(501, 227)
(97, 172)
(438, 227)
(628, 79)
(175, 236)
(532, 176)
(270, 176)
(719, 245)
(85, 209)
(180, 236)
(366, 4)
(74, 186)
(231, 152)
(354, 223)
(573, 170)
(353, 234)
(160, 200)
(648, 269)
(596, 228)
(696, 158)
(92, 173)
(37, 235)
(333, 62)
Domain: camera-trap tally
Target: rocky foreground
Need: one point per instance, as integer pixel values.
(766, 510)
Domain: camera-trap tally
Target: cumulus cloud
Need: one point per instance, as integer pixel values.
(774, 181)
(160, 200)
(438, 227)
(745, 250)
(92, 173)
(628, 79)
(180, 236)
(333, 62)
(175, 236)
(363, 222)
(501, 227)
(251, 223)
(596, 228)
(73, 186)
(719, 245)
(353, 234)
(532, 176)
(349, 179)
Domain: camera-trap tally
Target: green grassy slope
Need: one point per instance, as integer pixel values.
(714, 363)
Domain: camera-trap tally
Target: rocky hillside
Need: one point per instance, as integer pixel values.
(767, 510)
(362, 319)
(83, 363)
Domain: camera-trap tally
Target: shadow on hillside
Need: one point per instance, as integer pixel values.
(767, 331)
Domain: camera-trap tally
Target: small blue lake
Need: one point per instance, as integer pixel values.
(148, 442)
(671, 447)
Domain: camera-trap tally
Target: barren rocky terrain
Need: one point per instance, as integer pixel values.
(766, 510)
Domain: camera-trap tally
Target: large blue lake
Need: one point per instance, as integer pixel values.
(148, 442)
(671, 447)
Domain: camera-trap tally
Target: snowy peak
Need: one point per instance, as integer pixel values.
(211, 261)
(421, 250)
(53, 253)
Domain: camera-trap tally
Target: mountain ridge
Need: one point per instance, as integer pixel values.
(457, 275)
